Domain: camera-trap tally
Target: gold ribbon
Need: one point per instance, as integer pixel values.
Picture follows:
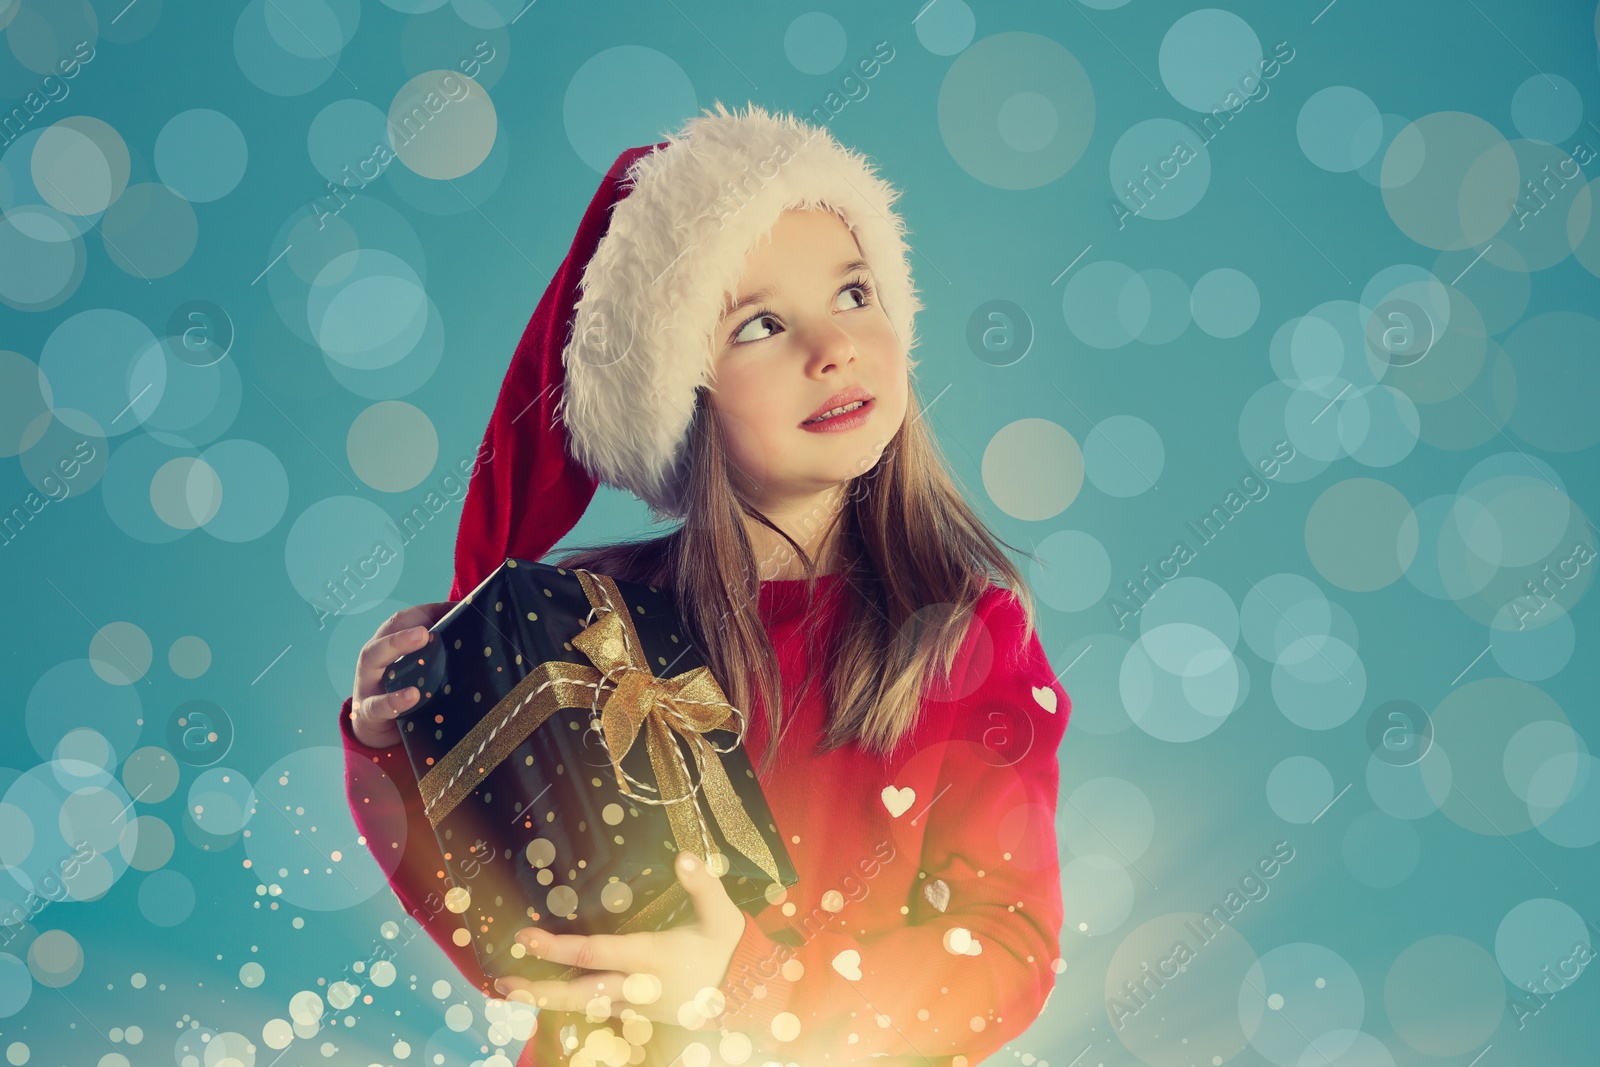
(630, 699)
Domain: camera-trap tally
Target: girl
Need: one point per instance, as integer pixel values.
(738, 356)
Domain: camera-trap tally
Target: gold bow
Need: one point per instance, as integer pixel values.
(630, 698)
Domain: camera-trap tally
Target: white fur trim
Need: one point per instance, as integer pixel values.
(653, 292)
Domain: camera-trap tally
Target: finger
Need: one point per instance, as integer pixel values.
(383, 708)
(712, 905)
(593, 952)
(407, 635)
(578, 994)
(406, 631)
(423, 615)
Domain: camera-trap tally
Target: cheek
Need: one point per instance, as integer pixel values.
(747, 447)
(878, 338)
(893, 376)
(752, 419)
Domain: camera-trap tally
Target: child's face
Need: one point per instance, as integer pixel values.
(782, 357)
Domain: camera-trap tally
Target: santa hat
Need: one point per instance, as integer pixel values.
(602, 385)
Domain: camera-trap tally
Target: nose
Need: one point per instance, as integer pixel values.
(830, 347)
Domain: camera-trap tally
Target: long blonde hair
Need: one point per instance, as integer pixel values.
(915, 559)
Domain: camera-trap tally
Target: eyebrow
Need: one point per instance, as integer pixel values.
(766, 294)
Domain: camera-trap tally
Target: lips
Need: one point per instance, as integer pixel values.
(839, 400)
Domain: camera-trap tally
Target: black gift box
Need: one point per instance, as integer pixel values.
(529, 686)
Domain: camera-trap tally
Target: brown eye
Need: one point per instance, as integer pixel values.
(739, 337)
(866, 291)
(862, 297)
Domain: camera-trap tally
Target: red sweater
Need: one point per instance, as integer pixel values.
(926, 921)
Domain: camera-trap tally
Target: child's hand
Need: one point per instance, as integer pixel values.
(372, 710)
(683, 960)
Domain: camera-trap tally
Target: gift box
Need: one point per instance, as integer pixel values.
(568, 743)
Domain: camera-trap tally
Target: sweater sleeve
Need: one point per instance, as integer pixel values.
(954, 982)
(395, 830)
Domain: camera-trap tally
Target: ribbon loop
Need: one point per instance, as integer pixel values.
(690, 705)
(627, 697)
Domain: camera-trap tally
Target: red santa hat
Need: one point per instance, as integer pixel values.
(602, 385)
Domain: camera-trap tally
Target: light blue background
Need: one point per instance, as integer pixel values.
(1100, 379)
